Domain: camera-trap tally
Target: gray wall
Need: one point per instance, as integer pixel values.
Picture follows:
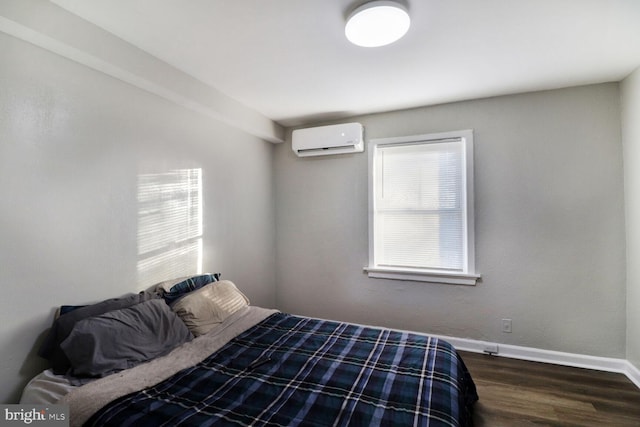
(550, 240)
(72, 142)
(630, 91)
(549, 211)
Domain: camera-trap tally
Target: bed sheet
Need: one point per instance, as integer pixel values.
(46, 388)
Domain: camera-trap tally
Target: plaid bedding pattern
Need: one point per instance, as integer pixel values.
(290, 370)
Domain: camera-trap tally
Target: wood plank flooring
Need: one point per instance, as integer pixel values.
(520, 393)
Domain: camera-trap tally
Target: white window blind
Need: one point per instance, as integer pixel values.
(421, 218)
(169, 225)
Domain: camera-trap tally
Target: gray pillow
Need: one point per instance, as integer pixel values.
(62, 327)
(122, 339)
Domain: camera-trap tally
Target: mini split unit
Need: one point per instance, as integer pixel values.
(325, 140)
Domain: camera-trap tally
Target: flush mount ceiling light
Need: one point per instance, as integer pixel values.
(377, 23)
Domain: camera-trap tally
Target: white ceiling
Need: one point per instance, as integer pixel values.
(289, 59)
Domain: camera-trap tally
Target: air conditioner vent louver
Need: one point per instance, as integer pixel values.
(326, 140)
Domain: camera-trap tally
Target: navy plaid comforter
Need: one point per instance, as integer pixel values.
(290, 370)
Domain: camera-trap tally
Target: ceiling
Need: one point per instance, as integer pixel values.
(289, 59)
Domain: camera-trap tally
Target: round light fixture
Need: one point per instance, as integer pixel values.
(377, 23)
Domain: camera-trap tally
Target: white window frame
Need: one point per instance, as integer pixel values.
(467, 275)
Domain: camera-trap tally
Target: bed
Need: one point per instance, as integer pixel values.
(250, 366)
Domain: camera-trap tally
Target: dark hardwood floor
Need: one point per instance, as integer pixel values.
(520, 393)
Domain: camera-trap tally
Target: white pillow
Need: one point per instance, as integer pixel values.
(205, 308)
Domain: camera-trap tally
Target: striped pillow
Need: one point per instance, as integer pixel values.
(205, 308)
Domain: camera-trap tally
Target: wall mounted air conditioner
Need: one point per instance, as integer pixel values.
(324, 140)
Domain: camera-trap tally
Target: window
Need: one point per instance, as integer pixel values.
(421, 208)
(169, 225)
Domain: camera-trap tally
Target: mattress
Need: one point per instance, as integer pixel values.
(263, 367)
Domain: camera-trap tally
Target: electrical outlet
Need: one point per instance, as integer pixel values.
(506, 326)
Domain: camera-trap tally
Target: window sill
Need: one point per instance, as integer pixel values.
(422, 276)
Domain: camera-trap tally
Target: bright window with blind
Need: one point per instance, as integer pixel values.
(421, 208)
(169, 225)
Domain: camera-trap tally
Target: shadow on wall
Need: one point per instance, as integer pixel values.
(33, 364)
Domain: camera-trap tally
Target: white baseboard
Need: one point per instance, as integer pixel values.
(606, 364)
(633, 374)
